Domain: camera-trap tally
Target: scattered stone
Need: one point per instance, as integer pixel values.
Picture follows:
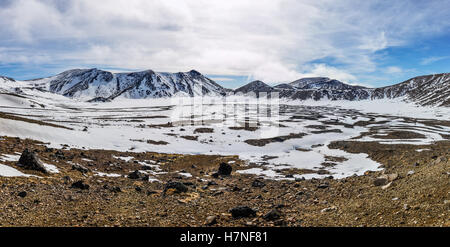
(29, 160)
(406, 207)
(22, 194)
(325, 210)
(177, 186)
(211, 183)
(80, 168)
(258, 183)
(323, 186)
(225, 169)
(235, 188)
(411, 172)
(440, 159)
(67, 179)
(380, 181)
(242, 212)
(138, 189)
(300, 179)
(386, 186)
(138, 175)
(80, 185)
(211, 220)
(116, 189)
(274, 214)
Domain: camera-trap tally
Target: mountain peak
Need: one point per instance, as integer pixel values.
(194, 73)
(255, 86)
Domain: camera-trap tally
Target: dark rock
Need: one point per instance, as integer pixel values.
(323, 186)
(138, 189)
(211, 183)
(116, 189)
(225, 169)
(29, 160)
(274, 214)
(242, 211)
(381, 181)
(22, 194)
(67, 179)
(80, 185)
(80, 168)
(258, 183)
(138, 175)
(179, 187)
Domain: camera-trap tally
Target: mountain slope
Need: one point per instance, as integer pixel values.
(99, 85)
(424, 90)
(316, 88)
(254, 87)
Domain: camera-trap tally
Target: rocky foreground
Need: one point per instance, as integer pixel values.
(412, 190)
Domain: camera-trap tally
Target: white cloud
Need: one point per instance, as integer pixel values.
(430, 60)
(393, 70)
(272, 40)
(331, 72)
(221, 78)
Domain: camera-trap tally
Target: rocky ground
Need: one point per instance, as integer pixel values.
(412, 190)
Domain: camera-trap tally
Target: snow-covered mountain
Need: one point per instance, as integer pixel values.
(254, 87)
(424, 90)
(316, 88)
(99, 85)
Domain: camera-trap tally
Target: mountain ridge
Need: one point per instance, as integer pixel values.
(95, 85)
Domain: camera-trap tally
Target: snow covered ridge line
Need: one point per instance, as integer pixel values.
(433, 90)
(94, 85)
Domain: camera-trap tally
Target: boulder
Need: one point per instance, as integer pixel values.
(242, 212)
(380, 181)
(177, 186)
(22, 194)
(29, 160)
(138, 175)
(80, 185)
(225, 169)
(80, 168)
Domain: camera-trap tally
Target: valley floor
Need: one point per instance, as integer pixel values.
(116, 164)
(418, 198)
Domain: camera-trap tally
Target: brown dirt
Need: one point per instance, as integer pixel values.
(420, 199)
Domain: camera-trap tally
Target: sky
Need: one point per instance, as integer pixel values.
(370, 43)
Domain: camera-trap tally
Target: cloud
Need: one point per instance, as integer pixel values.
(272, 40)
(221, 78)
(393, 70)
(430, 60)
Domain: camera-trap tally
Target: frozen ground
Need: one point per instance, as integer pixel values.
(270, 135)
